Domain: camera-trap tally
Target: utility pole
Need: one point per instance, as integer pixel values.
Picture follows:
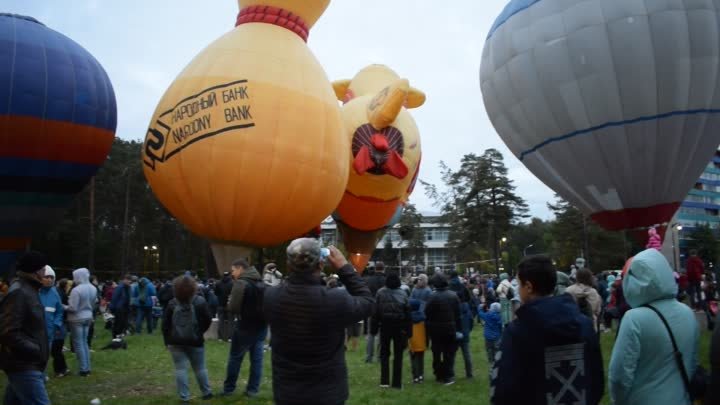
(91, 240)
(124, 244)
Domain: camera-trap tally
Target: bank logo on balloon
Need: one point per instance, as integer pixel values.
(210, 112)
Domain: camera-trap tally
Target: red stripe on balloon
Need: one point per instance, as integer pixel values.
(35, 138)
(636, 220)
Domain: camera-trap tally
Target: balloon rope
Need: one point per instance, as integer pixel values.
(276, 16)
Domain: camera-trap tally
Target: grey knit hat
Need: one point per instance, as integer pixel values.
(303, 255)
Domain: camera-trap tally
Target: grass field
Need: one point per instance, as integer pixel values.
(143, 375)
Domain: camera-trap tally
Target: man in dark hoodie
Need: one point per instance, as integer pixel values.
(444, 328)
(24, 344)
(250, 329)
(392, 319)
(551, 347)
(375, 282)
(308, 326)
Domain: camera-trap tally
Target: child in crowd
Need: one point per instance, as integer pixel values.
(418, 341)
(493, 331)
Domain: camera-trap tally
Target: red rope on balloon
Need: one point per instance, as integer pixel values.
(276, 16)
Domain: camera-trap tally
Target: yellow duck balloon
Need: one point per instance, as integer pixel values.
(384, 158)
(245, 147)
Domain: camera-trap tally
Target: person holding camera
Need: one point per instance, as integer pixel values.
(308, 323)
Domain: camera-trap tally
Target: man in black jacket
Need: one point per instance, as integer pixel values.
(375, 282)
(245, 304)
(308, 323)
(551, 347)
(23, 338)
(443, 325)
(392, 318)
(222, 291)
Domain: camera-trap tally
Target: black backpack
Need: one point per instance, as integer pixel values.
(585, 307)
(252, 306)
(185, 327)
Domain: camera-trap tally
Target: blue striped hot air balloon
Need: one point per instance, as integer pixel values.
(57, 123)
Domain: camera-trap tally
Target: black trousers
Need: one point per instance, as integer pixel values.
(225, 326)
(444, 349)
(120, 323)
(396, 340)
(417, 360)
(59, 364)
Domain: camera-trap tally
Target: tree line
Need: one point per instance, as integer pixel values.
(117, 225)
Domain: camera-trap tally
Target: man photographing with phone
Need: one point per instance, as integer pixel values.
(308, 323)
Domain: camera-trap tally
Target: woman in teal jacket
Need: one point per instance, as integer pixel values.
(643, 370)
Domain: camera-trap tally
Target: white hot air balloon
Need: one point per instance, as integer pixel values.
(614, 104)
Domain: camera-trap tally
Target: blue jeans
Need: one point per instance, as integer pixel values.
(243, 342)
(182, 355)
(26, 388)
(79, 334)
(146, 313)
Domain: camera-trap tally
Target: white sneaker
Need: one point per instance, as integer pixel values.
(384, 386)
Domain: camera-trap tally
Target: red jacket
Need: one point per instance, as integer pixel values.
(695, 269)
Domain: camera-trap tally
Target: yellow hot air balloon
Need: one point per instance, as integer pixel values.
(246, 147)
(385, 155)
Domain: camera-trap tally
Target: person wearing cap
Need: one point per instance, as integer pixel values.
(24, 343)
(308, 323)
(54, 321)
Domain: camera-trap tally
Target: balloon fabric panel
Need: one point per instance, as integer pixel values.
(57, 123)
(613, 104)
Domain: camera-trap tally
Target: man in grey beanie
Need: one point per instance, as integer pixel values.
(308, 323)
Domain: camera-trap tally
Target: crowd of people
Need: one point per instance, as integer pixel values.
(541, 327)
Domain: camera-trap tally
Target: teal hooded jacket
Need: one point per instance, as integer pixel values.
(643, 370)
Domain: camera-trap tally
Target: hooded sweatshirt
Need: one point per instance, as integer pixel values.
(554, 350)
(642, 368)
(492, 320)
(563, 281)
(143, 292)
(82, 297)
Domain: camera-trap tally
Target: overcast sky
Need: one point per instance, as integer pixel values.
(143, 45)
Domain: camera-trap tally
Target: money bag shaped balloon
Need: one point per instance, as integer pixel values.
(613, 104)
(57, 124)
(384, 157)
(246, 148)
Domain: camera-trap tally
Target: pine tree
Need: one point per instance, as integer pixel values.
(480, 204)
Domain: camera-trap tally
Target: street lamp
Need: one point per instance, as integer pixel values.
(504, 239)
(146, 248)
(526, 248)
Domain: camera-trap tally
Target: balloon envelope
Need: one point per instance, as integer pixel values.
(614, 104)
(246, 145)
(57, 123)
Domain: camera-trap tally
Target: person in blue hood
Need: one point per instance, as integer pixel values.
(142, 295)
(493, 331)
(643, 369)
(550, 354)
(54, 322)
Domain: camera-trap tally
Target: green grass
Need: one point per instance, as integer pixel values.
(143, 375)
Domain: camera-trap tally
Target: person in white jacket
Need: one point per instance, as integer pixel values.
(81, 303)
(271, 275)
(505, 293)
